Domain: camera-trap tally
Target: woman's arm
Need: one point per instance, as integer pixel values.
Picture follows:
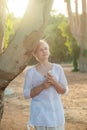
(35, 91)
(60, 89)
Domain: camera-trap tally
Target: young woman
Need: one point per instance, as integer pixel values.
(44, 82)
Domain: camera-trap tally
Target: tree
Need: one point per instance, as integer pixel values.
(18, 53)
(53, 35)
(71, 43)
(9, 29)
(78, 26)
(2, 24)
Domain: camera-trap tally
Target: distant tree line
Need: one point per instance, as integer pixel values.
(63, 47)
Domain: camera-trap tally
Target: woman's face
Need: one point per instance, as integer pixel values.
(42, 52)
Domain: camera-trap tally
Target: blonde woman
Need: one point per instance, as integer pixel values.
(44, 82)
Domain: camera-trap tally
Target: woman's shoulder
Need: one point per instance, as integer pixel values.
(30, 68)
(58, 66)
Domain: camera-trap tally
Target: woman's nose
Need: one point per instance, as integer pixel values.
(44, 51)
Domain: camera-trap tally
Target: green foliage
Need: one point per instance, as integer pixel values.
(85, 53)
(75, 64)
(74, 50)
(9, 29)
(12, 24)
(54, 37)
(71, 43)
(75, 54)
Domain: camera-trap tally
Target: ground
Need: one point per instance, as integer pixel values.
(16, 109)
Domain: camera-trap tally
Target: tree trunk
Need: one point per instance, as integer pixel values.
(83, 64)
(18, 53)
(78, 26)
(2, 24)
(83, 39)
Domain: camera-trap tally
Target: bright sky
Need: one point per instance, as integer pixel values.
(60, 7)
(18, 6)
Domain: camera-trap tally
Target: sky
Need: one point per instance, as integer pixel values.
(60, 7)
(18, 9)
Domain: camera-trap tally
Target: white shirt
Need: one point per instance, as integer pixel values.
(46, 108)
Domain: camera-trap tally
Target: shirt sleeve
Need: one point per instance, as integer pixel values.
(27, 84)
(63, 80)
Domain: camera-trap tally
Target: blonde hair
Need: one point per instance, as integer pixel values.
(37, 46)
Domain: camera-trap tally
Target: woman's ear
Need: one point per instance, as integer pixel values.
(32, 54)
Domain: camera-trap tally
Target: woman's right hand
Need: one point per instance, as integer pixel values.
(46, 85)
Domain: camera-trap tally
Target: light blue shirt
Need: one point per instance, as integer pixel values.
(46, 109)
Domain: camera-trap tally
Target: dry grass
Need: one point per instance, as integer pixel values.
(16, 109)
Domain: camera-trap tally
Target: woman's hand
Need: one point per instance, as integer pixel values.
(46, 84)
(51, 80)
(35, 91)
(60, 89)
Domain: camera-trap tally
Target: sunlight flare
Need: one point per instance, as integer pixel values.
(17, 7)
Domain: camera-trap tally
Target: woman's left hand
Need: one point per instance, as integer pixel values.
(56, 85)
(51, 80)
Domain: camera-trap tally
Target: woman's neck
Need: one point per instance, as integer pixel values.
(44, 63)
(44, 67)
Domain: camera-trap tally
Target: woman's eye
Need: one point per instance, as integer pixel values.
(45, 48)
